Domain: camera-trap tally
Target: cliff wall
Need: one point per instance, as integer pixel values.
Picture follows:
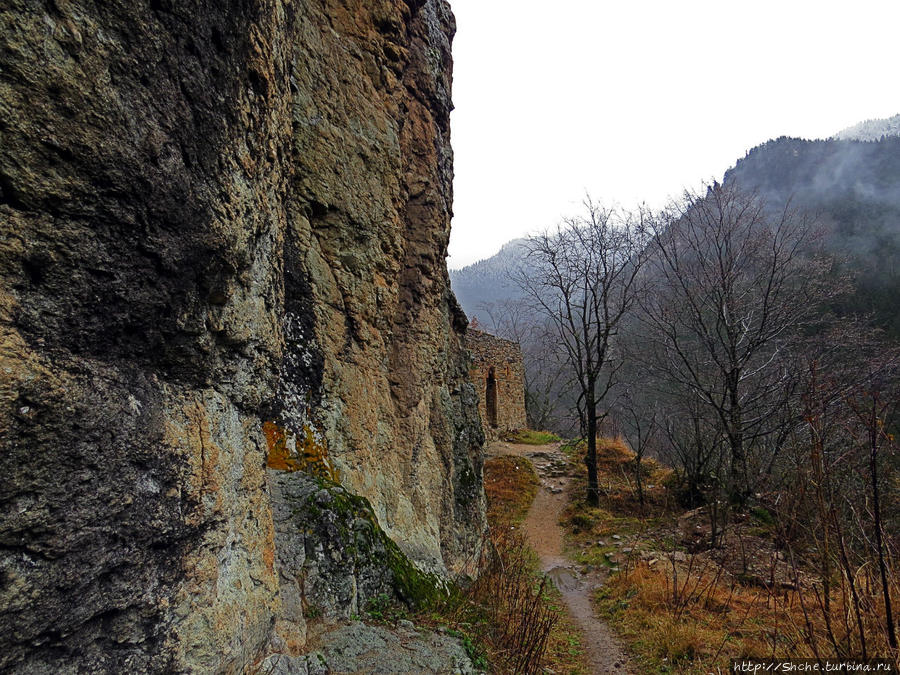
(221, 223)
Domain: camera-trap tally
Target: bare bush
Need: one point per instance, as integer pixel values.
(505, 606)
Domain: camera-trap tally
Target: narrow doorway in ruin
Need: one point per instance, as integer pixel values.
(490, 398)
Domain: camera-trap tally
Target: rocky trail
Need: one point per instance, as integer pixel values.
(546, 537)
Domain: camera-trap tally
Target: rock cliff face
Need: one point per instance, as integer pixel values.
(218, 219)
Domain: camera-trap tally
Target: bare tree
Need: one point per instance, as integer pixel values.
(830, 505)
(584, 277)
(641, 421)
(693, 446)
(735, 285)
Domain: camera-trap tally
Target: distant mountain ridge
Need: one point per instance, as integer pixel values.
(489, 280)
(851, 185)
(871, 130)
(508, 251)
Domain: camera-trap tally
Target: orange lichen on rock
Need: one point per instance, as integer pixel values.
(305, 452)
(278, 456)
(269, 557)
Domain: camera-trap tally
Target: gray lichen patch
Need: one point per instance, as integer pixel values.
(359, 648)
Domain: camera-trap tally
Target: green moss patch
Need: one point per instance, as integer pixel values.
(530, 437)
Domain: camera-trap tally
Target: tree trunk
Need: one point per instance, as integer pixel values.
(874, 429)
(639, 479)
(738, 489)
(593, 492)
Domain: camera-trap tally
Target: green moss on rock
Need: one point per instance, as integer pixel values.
(416, 588)
(347, 559)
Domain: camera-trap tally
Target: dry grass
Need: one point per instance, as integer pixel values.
(510, 484)
(689, 626)
(687, 613)
(698, 623)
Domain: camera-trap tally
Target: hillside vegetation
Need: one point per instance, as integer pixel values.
(852, 189)
(686, 606)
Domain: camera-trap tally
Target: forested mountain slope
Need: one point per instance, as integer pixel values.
(853, 189)
(489, 281)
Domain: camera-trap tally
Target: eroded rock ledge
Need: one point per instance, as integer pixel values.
(213, 216)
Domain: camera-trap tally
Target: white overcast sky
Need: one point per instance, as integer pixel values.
(636, 100)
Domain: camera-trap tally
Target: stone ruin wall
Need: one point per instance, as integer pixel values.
(498, 374)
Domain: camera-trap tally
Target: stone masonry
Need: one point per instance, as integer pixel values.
(499, 377)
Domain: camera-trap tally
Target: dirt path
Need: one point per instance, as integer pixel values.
(546, 537)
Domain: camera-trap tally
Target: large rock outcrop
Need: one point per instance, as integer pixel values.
(216, 216)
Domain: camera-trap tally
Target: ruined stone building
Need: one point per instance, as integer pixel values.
(499, 377)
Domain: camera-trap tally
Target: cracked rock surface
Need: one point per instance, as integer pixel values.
(215, 214)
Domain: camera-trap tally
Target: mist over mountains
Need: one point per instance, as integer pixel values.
(822, 172)
(850, 183)
(871, 130)
(852, 188)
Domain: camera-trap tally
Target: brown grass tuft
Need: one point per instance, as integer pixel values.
(507, 614)
(510, 484)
